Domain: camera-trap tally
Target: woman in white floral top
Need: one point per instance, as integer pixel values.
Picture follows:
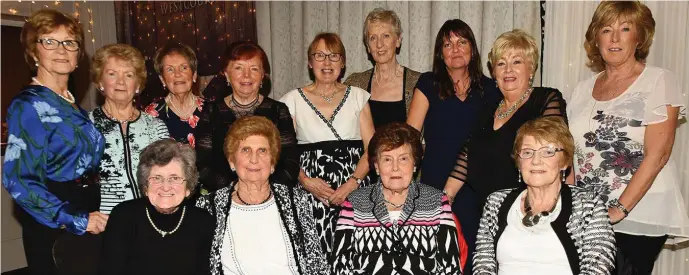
(623, 121)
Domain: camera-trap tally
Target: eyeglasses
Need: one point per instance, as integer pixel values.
(388, 161)
(334, 57)
(545, 152)
(172, 180)
(52, 44)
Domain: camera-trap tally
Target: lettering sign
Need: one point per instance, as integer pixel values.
(172, 7)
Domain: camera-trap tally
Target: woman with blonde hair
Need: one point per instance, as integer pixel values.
(624, 121)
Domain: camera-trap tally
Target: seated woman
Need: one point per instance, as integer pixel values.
(159, 233)
(119, 71)
(253, 213)
(397, 226)
(564, 229)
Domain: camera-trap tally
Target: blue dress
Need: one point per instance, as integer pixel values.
(447, 126)
(49, 142)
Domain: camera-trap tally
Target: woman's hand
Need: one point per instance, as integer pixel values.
(343, 191)
(97, 222)
(616, 215)
(319, 188)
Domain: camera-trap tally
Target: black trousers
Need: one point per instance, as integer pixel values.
(636, 255)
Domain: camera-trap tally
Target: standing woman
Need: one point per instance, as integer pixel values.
(119, 72)
(623, 122)
(334, 125)
(53, 151)
(446, 103)
(180, 109)
(391, 85)
(245, 66)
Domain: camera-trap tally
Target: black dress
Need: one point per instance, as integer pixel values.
(216, 119)
(384, 112)
(132, 246)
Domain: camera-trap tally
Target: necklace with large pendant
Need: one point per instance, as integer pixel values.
(165, 233)
(530, 219)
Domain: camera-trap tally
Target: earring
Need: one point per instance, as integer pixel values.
(164, 87)
(101, 89)
(414, 169)
(563, 177)
(233, 169)
(36, 60)
(136, 92)
(520, 177)
(228, 83)
(260, 86)
(76, 66)
(272, 170)
(193, 80)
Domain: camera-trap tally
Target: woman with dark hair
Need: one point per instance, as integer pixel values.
(445, 104)
(245, 67)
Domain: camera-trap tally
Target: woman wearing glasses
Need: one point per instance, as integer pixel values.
(159, 233)
(53, 150)
(563, 229)
(334, 125)
(119, 72)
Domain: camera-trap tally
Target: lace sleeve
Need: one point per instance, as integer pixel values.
(287, 168)
(205, 156)
(460, 170)
(554, 105)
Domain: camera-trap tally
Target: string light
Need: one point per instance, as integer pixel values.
(93, 38)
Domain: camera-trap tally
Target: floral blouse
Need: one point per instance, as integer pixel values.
(182, 130)
(609, 149)
(48, 140)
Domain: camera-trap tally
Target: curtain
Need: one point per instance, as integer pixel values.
(285, 30)
(564, 66)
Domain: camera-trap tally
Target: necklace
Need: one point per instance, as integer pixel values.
(69, 98)
(394, 77)
(530, 219)
(244, 106)
(392, 204)
(164, 233)
(328, 98)
(457, 93)
(131, 118)
(591, 136)
(509, 111)
(181, 114)
(270, 194)
(242, 110)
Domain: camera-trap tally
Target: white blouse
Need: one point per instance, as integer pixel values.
(256, 242)
(609, 148)
(311, 128)
(531, 250)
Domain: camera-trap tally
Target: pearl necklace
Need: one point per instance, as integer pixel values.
(376, 73)
(182, 115)
(161, 232)
(71, 99)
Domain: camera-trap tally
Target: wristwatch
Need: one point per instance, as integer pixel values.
(615, 203)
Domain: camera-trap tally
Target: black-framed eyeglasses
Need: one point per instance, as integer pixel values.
(334, 57)
(172, 180)
(52, 44)
(545, 152)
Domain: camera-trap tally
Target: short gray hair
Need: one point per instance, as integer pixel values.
(383, 16)
(161, 153)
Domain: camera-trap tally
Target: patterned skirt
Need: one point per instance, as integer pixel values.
(333, 162)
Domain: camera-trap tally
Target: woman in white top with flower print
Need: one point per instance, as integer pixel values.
(623, 121)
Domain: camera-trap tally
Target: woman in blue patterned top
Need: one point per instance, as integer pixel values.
(119, 71)
(53, 149)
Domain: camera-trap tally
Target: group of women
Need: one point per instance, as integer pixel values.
(392, 172)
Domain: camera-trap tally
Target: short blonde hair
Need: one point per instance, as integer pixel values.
(609, 12)
(332, 42)
(46, 21)
(122, 52)
(248, 126)
(380, 15)
(517, 40)
(550, 129)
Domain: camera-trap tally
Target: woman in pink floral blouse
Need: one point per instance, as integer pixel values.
(180, 109)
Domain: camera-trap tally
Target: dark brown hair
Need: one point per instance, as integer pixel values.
(392, 136)
(441, 78)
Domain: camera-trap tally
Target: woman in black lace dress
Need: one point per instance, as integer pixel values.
(245, 66)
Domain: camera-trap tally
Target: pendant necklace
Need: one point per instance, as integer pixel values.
(506, 113)
(328, 98)
(69, 98)
(591, 136)
(530, 219)
(165, 233)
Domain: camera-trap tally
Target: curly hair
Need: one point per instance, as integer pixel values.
(161, 153)
(549, 129)
(122, 52)
(392, 136)
(248, 126)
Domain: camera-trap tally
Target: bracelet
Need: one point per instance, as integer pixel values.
(449, 198)
(615, 203)
(357, 180)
